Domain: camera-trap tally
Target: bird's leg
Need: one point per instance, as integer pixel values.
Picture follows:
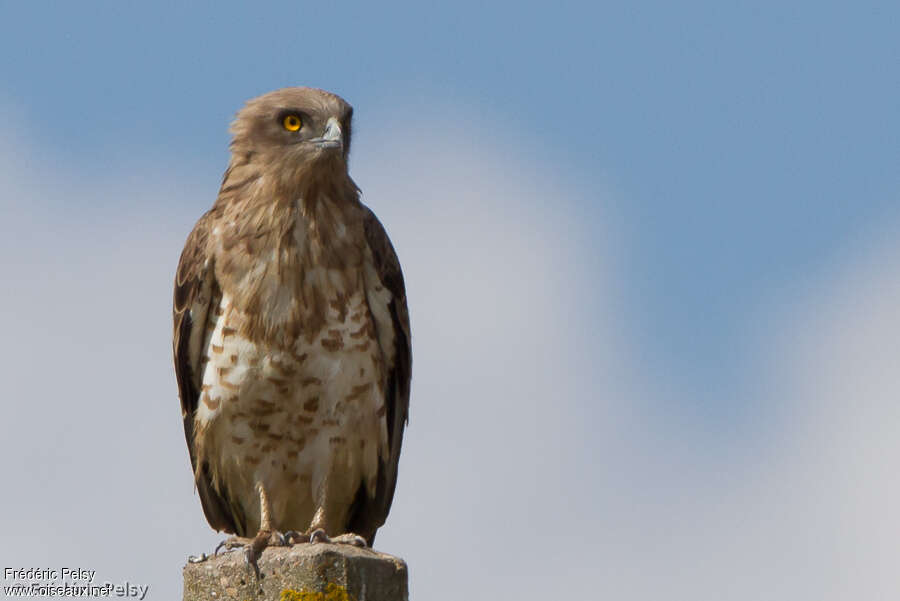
(319, 534)
(266, 536)
(316, 531)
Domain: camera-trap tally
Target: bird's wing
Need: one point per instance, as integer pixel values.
(370, 513)
(195, 291)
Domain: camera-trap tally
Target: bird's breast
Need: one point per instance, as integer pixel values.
(295, 416)
(327, 350)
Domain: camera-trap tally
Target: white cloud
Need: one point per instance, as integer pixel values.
(845, 444)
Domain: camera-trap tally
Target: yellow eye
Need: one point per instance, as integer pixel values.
(291, 122)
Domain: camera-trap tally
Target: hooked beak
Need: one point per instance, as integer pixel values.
(333, 136)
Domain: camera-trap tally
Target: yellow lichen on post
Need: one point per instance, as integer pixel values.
(333, 592)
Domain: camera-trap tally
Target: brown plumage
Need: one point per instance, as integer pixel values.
(291, 337)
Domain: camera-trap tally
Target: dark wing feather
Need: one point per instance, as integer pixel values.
(368, 514)
(195, 289)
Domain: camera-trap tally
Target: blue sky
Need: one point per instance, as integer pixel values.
(688, 197)
(745, 144)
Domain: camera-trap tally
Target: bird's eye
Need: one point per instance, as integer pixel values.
(291, 122)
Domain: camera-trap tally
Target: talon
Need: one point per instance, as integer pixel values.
(251, 558)
(318, 536)
(254, 547)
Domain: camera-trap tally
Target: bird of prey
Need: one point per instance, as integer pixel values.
(291, 336)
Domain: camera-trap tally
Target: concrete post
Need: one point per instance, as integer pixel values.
(306, 572)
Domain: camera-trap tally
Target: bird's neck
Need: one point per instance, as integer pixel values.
(315, 214)
(303, 236)
(317, 197)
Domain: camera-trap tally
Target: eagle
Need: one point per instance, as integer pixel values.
(291, 336)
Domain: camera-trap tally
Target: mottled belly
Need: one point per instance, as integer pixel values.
(306, 421)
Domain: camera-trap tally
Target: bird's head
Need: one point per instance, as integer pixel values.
(293, 128)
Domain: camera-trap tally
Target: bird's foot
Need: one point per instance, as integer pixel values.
(292, 537)
(198, 558)
(231, 543)
(265, 538)
(254, 547)
(319, 536)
